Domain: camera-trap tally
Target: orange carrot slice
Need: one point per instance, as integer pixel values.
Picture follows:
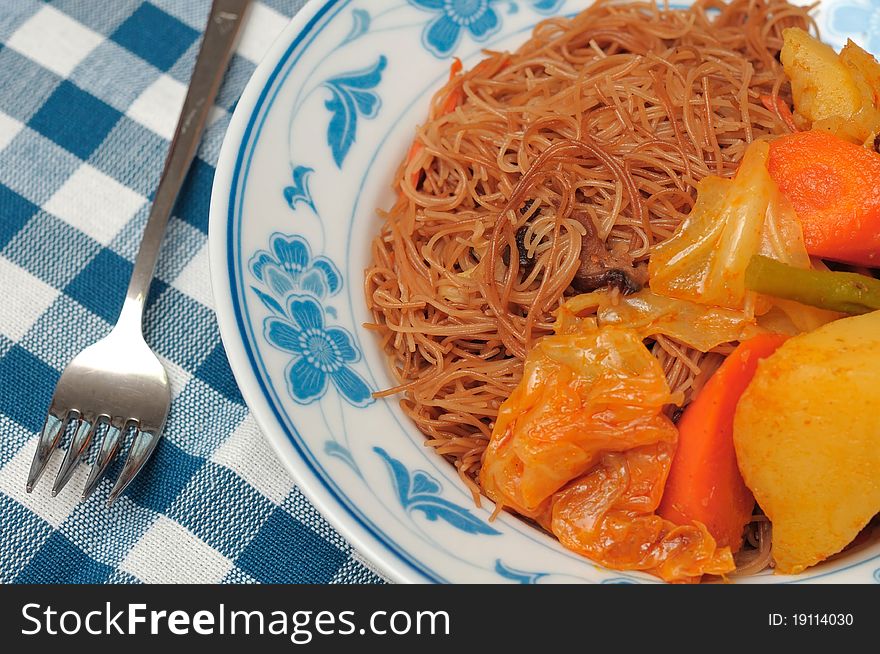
(834, 187)
(704, 483)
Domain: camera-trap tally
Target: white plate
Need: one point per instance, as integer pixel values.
(309, 155)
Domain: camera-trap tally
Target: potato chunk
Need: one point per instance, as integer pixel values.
(835, 93)
(865, 71)
(807, 439)
(820, 82)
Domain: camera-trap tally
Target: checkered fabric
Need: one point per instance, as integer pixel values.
(89, 96)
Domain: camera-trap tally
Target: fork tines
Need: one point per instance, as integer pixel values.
(85, 431)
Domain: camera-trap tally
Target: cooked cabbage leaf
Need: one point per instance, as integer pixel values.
(702, 328)
(706, 259)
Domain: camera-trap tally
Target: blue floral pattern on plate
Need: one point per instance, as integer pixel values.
(419, 491)
(290, 267)
(299, 191)
(478, 18)
(454, 17)
(361, 25)
(546, 6)
(322, 354)
(353, 95)
(519, 576)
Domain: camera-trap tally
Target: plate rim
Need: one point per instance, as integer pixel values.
(331, 508)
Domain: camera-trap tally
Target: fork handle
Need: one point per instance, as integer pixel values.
(223, 25)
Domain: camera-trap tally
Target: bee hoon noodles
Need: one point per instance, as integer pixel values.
(594, 133)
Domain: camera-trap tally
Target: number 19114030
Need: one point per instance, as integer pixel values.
(811, 620)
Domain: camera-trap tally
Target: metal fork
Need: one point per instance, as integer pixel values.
(118, 383)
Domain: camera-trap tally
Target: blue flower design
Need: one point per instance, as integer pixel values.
(547, 6)
(299, 191)
(353, 95)
(443, 33)
(322, 354)
(290, 267)
(858, 17)
(419, 491)
(519, 576)
(361, 25)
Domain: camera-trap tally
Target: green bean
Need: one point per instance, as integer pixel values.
(835, 291)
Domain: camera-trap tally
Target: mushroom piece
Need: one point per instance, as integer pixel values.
(525, 261)
(602, 267)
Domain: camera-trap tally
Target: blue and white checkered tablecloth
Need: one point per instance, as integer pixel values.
(89, 96)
